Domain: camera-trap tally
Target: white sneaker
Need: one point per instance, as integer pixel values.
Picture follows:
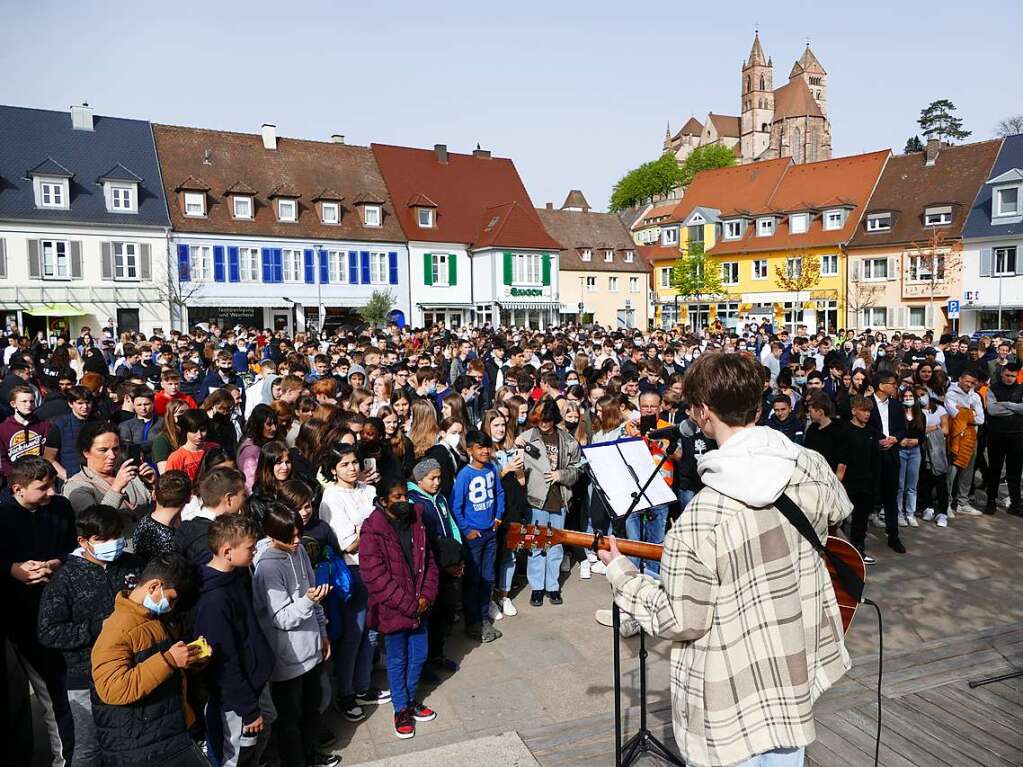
(969, 511)
(566, 565)
(941, 520)
(951, 514)
(603, 617)
(876, 521)
(598, 567)
(629, 628)
(928, 515)
(911, 519)
(584, 570)
(903, 522)
(495, 612)
(507, 608)
(1005, 502)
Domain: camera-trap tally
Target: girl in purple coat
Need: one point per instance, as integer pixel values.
(401, 576)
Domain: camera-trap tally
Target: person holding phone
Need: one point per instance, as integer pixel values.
(108, 477)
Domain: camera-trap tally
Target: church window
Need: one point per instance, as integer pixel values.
(762, 83)
(747, 84)
(797, 145)
(763, 127)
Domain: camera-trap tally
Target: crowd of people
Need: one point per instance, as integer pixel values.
(208, 538)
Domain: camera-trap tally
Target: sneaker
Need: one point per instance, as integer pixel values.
(941, 520)
(896, 545)
(1005, 502)
(555, 597)
(876, 521)
(373, 697)
(911, 519)
(445, 664)
(928, 515)
(566, 565)
(584, 570)
(536, 598)
(990, 509)
(350, 710)
(867, 559)
(404, 724)
(629, 628)
(496, 631)
(488, 633)
(603, 617)
(903, 522)
(951, 514)
(598, 568)
(968, 511)
(508, 609)
(495, 612)
(422, 713)
(323, 760)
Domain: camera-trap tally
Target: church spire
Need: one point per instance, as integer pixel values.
(756, 54)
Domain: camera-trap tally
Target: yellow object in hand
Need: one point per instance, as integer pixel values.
(205, 650)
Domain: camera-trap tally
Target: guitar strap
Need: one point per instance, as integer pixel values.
(850, 580)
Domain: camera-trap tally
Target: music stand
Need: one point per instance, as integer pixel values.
(653, 491)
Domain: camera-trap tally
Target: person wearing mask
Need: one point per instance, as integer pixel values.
(1005, 436)
(21, 433)
(910, 458)
(966, 411)
(221, 374)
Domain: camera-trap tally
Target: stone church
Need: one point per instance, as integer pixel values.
(790, 121)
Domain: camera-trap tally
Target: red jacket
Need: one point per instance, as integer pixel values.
(394, 588)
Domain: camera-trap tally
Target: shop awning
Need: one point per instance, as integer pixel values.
(55, 310)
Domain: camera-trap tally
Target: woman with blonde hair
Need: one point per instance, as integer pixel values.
(361, 401)
(424, 427)
(381, 394)
(453, 407)
(571, 419)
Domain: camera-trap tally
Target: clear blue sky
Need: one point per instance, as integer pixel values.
(574, 92)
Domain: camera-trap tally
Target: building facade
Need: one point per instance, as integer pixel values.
(601, 280)
(83, 223)
(279, 233)
(993, 247)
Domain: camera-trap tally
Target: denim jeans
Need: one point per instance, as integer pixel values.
(406, 654)
(684, 497)
(478, 579)
(647, 525)
(505, 570)
(87, 750)
(543, 568)
(909, 475)
(780, 757)
(353, 650)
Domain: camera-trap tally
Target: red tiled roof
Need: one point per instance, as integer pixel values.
(467, 189)
(725, 125)
(421, 201)
(657, 211)
(738, 187)
(654, 253)
(795, 100)
(842, 181)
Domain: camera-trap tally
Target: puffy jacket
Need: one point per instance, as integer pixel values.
(139, 705)
(394, 587)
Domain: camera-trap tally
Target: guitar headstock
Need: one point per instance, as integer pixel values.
(532, 537)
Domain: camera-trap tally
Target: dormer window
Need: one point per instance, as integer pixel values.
(799, 223)
(879, 222)
(586, 254)
(241, 206)
(195, 204)
(609, 255)
(424, 217)
(733, 230)
(122, 198)
(765, 227)
(938, 215)
(630, 256)
(834, 219)
(669, 236)
(52, 193)
(1007, 201)
(287, 210)
(330, 213)
(371, 215)
(120, 189)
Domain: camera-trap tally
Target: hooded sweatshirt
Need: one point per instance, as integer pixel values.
(191, 537)
(753, 467)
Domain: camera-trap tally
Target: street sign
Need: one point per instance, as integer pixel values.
(953, 309)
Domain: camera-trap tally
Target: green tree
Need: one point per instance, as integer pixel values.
(694, 275)
(706, 158)
(913, 144)
(377, 307)
(650, 179)
(938, 120)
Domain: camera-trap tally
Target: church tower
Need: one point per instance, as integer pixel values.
(757, 102)
(814, 75)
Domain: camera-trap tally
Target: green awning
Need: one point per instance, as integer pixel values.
(56, 310)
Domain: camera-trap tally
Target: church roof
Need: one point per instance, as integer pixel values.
(693, 127)
(795, 100)
(725, 125)
(756, 54)
(810, 63)
(575, 199)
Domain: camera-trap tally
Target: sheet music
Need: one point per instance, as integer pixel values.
(617, 481)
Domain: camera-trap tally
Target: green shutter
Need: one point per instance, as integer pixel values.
(452, 269)
(428, 268)
(546, 269)
(507, 268)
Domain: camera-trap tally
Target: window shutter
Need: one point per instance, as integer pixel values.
(76, 259)
(34, 250)
(278, 259)
(892, 263)
(353, 267)
(929, 316)
(986, 262)
(452, 269)
(146, 261)
(392, 267)
(106, 261)
(268, 264)
(508, 269)
(184, 270)
(309, 266)
(364, 260)
(1018, 257)
(324, 267)
(3, 258)
(234, 269)
(428, 268)
(219, 272)
(855, 264)
(546, 269)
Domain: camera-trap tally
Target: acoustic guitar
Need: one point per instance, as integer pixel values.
(534, 537)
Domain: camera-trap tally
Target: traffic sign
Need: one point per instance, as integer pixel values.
(953, 309)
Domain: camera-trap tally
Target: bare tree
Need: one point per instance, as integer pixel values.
(178, 295)
(859, 295)
(934, 262)
(1010, 126)
(800, 273)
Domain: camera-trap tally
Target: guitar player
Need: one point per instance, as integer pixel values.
(745, 599)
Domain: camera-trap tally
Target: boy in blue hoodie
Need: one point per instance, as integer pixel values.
(477, 503)
(240, 709)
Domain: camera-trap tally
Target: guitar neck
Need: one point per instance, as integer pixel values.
(651, 551)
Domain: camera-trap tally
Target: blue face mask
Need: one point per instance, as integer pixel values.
(157, 608)
(521, 419)
(108, 551)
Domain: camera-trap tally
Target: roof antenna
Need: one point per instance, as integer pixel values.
(808, 41)
(478, 145)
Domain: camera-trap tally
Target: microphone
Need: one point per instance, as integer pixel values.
(668, 432)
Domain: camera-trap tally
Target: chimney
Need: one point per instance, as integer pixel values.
(81, 117)
(549, 206)
(934, 146)
(441, 150)
(484, 153)
(337, 138)
(269, 131)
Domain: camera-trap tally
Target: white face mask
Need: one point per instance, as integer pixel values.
(453, 440)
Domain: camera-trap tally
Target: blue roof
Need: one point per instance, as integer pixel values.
(43, 141)
(979, 222)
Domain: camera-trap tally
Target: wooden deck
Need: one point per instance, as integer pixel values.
(931, 718)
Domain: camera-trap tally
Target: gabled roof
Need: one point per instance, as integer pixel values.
(733, 189)
(368, 198)
(467, 190)
(284, 190)
(978, 223)
(839, 182)
(725, 125)
(693, 127)
(808, 62)
(328, 194)
(710, 215)
(576, 229)
(192, 184)
(298, 168)
(657, 211)
(795, 100)
(1011, 176)
(120, 173)
(43, 140)
(420, 200)
(240, 188)
(575, 199)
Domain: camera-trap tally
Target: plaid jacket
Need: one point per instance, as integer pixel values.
(749, 607)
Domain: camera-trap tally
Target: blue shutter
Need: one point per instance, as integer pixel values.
(392, 268)
(234, 272)
(278, 265)
(324, 267)
(364, 258)
(218, 263)
(184, 268)
(310, 266)
(268, 264)
(353, 267)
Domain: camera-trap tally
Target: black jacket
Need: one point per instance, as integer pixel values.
(75, 604)
(191, 539)
(46, 533)
(791, 427)
(242, 657)
(896, 421)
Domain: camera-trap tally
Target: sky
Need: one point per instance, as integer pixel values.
(576, 93)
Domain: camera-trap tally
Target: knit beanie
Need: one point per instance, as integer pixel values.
(424, 467)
